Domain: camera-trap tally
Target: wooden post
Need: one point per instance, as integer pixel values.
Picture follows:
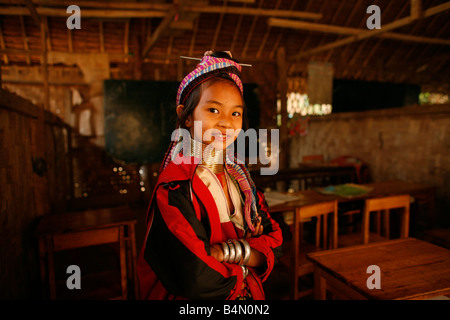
(41, 198)
(45, 65)
(282, 90)
(125, 40)
(416, 9)
(137, 59)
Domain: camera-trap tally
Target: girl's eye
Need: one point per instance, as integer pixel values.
(236, 114)
(213, 110)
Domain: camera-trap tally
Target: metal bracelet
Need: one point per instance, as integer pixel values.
(247, 251)
(232, 251)
(226, 252)
(238, 248)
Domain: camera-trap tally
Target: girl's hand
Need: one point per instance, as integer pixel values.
(217, 252)
(258, 229)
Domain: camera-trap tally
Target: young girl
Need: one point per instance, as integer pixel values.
(209, 233)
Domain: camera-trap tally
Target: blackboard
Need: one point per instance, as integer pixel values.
(355, 95)
(140, 117)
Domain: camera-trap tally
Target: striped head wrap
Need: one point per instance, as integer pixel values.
(205, 70)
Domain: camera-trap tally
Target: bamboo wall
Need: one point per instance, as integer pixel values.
(29, 188)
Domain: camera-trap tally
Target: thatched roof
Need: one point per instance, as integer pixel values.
(412, 45)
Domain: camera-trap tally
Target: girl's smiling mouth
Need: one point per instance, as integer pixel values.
(221, 136)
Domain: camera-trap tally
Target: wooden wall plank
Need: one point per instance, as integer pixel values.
(25, 195)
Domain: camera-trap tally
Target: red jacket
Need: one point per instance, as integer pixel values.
(183, 222)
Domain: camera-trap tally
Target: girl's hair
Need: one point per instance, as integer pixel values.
(194, 97)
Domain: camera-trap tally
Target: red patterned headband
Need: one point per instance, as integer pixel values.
(205, 70)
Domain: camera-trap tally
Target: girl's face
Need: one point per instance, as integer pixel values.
(220, 111)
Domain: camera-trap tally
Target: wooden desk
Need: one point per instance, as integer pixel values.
(410, 269)
(88, 228)
(421, 192)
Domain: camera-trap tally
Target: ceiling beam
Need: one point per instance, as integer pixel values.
(401, 47)
(379, 42)
(101, 36)
(105, 5)
(126, 37)
(280, 34)
(311, 26)
(218, 28)
(163, 26)
(416, 9)
(373, 33)
(266, 35)
(194, 36)
(143, 11)
(255, 12)
(119, 57)
(250, 33)
(33, 12)
(242, 1)
(87, 13)
(25, 38)
(336, 15)
(110, 4)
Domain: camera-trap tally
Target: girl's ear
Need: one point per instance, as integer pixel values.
(180, 108)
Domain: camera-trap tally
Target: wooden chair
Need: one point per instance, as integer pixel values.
(380, 210)
(68, 241)
(384, 205)
(114, 227)
(319, 212)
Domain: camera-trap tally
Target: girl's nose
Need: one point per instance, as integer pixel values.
(225, 121)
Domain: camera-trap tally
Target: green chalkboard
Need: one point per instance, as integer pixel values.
(140, 117)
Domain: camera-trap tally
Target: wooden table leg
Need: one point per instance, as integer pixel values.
(319, 284)
(387, 224)
(43, 265)
(51, 267)
(132, 236)
(123, 266)
(404, 232)
(131, 258)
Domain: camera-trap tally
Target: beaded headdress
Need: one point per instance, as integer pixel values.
(208, 68)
